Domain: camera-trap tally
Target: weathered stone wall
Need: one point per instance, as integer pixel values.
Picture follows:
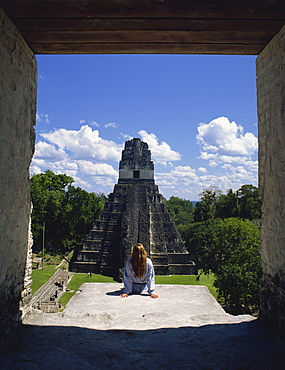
(17, 116)
(136, 157)
(271, 117)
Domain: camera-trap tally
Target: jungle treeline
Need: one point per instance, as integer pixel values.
(222, 235)
(62, 214)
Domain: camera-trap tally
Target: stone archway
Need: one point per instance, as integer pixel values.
(164, 29)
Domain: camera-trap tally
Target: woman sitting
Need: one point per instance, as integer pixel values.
(139, 274)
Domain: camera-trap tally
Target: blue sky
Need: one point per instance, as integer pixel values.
(197, 113)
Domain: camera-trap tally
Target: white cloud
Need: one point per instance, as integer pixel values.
(111, 124)
(39, 162)
(66, 166)
(162, 152)
(85, 155)
(184, 171)
(229, 151)
(242, 174)
(93, 123)
(78, 181)
(42, 118)
(48, 151)
(189, 183)
(96, 169)
(70, 168)
(35, 170)
(126, 136)
(103, 182)
(168, 187)
(224, 141)
(252, 166)
(47, 120)
(85, 144)
(79, 154)
(213, 163)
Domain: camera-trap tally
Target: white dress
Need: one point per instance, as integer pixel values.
(133, 284)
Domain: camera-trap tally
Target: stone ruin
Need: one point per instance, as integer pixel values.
(46, 298)
(134, 213)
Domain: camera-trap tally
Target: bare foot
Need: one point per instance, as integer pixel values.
(154, 296)
(124, 295)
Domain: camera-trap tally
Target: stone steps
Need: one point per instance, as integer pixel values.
(47, 296)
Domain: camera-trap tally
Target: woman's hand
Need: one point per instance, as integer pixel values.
(124, 295)
(153, 296)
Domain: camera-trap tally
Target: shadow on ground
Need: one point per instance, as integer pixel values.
(221, 346)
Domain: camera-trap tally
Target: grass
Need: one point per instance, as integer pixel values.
(206, 280)
(40, 276)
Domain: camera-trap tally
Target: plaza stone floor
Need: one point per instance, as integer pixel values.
(185, 328)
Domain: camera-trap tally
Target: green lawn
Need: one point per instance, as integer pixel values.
(40, 276)
(206, 280)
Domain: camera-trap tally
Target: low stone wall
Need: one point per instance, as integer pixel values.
(18, 79)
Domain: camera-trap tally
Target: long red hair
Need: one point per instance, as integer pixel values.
(138, 260)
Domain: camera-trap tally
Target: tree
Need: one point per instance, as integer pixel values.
(47, 193)
(230, 249)
(238, 273)
(206, 208)
(227, 205)
(245, 203)
(80, 210)
(249, 202)
(201, 240)
(181, 210)
(66, 212)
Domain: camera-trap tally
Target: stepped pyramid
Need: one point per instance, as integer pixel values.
(134, 213)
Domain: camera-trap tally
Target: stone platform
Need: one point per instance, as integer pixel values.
(185, 328)
(99, 306)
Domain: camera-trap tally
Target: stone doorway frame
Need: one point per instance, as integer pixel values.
(18, 82)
